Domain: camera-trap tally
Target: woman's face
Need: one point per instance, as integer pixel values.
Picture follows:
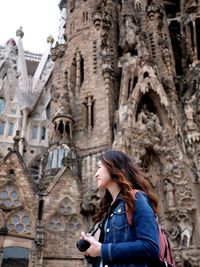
(103, 177)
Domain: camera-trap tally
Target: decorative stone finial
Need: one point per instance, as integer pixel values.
(19, 32)
(50, 39)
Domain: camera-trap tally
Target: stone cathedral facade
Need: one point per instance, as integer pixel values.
(123, 74)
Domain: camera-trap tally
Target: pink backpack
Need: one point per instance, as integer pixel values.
(165, 258)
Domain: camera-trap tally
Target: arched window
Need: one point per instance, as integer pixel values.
(81, 70)
(2, 104)
(2, 127)
(9, 198)
(19, 222)
(175, 34)
(55, 158)
(73, 71)
(35, 132)
(11, 128)
(66, 206)
(43, 133)
(56, 223)
(74, 224)
(15, 257)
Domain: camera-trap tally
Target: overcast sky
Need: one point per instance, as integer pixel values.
(38, 19)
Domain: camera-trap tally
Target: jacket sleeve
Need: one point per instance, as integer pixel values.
(146, 244)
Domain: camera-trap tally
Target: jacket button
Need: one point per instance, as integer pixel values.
(107, 230)
(119, 210)
(111, 215)
(106, 265)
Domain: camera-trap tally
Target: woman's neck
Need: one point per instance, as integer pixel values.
(114, 191)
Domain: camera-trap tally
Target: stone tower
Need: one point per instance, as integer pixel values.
(88, 81)
(123, 74)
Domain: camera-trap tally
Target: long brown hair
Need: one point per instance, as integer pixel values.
(128, 176)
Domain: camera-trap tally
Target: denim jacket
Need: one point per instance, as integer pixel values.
(128, 245)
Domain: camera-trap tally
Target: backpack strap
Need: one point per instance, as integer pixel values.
(165, 248)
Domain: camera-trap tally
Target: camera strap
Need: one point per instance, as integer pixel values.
(101, 225)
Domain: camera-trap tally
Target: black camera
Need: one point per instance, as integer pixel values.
(82, 244)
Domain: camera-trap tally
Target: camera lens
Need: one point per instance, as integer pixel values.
(83, 245)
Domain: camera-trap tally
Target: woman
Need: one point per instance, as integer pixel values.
(123, 243)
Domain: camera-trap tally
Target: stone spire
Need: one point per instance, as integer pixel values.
(21, 68)
(43, 63)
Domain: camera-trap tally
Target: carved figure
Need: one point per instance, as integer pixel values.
(154, 123)
(142, 117)
(131, 31)
(186, 230)
(128, 34)
(188, 109)
(193, 135)
(149, 120)
(169, 192)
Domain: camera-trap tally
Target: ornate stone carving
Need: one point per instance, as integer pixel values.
(128, 34)
(90, 202)
(39, 239)
(58, 51)
(102, 18)
(169, 193)
(20, 33)
(148, 120)
(97, 16)
(193, 134)
(185, 227)
(191, 5)
(155, 8)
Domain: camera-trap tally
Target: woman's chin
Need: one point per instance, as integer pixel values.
(100, 186)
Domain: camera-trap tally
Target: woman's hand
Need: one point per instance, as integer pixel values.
(95, 247)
